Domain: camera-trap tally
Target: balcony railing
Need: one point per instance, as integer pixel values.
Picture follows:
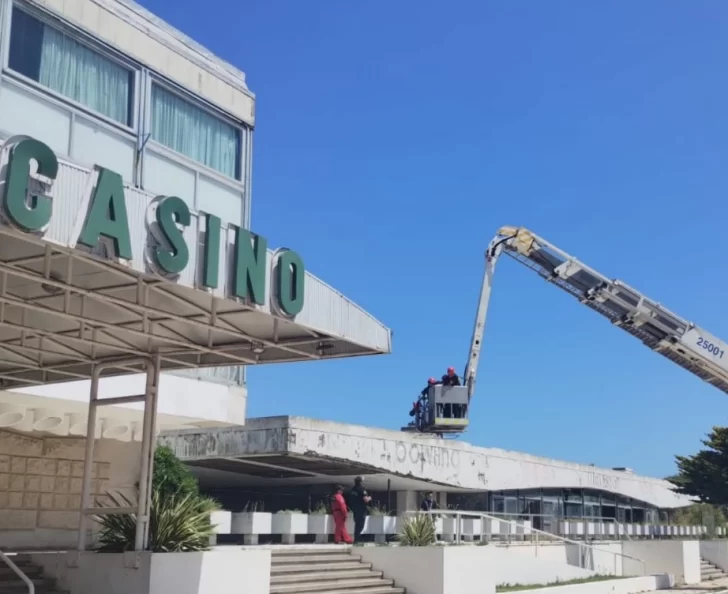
(230, 376)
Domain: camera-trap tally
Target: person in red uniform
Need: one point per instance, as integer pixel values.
(340, 512)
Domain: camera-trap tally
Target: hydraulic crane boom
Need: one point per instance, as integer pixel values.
(662, 331)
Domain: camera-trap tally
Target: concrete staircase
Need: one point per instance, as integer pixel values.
(12, 584)
(708, 571)
(308, 570)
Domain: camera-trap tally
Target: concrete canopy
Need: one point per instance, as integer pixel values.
(295, 450)
(65, 306)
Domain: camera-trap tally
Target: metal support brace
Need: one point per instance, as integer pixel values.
(150, 399)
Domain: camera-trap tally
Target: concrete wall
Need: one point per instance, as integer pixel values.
(433, 570)
(624, 586)
(453, 463)
(603, 558)
(209, 572)
(40, 485)
(716, 552)
(179, 398)
(453, 570)
(680, 558)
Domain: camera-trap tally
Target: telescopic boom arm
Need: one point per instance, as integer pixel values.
(662, 331)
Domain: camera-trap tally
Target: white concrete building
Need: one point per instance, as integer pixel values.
(102, 101)
(291, 462)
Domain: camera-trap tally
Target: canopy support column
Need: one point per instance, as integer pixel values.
(149, 398)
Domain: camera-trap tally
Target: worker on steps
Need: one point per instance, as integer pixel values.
(340, 513)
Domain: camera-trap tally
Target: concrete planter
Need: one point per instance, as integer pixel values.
(471, 527)
(350, 525)
(433, 570)
(382, 525)
(289, 524)
(251, 525)
(209, 572)
(576, 528)
(221, 522)
(449, 526)
(321, 526)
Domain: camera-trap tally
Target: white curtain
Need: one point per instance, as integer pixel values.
(81, 74)
(187, 129)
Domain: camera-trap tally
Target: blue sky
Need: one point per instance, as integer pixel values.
(394, 138)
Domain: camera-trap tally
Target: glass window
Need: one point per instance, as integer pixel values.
(498, 504)
(190, 130)
(59, 62)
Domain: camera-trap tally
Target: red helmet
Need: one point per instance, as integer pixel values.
(450, 370)
(431, 381)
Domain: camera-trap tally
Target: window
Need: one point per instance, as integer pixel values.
(193, 132)
(59, 62)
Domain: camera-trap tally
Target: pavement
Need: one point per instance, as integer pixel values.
(719, 586)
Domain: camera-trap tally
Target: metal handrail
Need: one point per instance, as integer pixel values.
(19, 572)
(620, 527)
(458, 513)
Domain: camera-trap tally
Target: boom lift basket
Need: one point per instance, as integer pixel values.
(447, 409)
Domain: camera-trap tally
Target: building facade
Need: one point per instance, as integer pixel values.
(105, 86)
(283, 463)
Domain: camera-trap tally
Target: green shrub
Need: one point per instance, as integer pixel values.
(178, 522)
(321, 509)
(417, 531)
(171, 476)
(378, 510)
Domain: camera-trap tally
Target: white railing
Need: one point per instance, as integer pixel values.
(583, 548)
(17, 571)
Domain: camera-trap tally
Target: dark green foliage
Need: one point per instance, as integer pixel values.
(171, 476)
(700, 514)
(178, 523)
(179, 518)
(705, 474)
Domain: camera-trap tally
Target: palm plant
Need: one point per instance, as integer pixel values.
(178, 522)
(417, 531)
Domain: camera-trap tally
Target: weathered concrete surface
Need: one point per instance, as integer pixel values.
(451, 463)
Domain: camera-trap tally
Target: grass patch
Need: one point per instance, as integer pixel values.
(586, 580)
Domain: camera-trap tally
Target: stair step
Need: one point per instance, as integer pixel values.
(320, 550)
(329, 585)
(363, 590)
(320, 558)
(712, 576)
(28, 570)
(15, 581)
(24, 590)
(279, 568)
(325, 576)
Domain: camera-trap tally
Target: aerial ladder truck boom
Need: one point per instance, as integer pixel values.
(658, 328)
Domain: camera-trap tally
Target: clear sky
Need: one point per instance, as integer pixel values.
(394, 138)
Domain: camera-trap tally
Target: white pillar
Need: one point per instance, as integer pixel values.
(407, 501)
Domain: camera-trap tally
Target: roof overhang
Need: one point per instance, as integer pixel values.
(324, 449)
(67, 303)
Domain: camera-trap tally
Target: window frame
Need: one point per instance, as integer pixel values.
(238, 182)
(90, 43)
